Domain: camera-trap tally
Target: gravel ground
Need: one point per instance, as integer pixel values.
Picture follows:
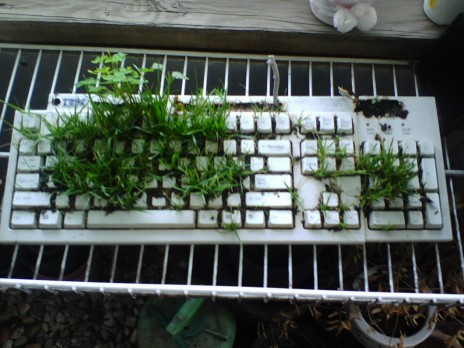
(45, 320)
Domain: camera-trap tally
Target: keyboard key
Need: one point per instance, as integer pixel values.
(50, 219)
(312, 219)
(158, 202)
(329, 146)
(234, 200)
(256, 163)
(232, 219)
(169, 182)
(208, 219)
(413, 162)
(142, 202)
(247, 123)
(230, 147)
(429, 174)
(347, 164)
(247, 146)
(309, 165)
(197, 201)
(76, 219)
(415, 220)
(211, 146)
(279, 164)
(274, 148)
(309, 148)
(62, 201)
(330, 199)
(141, 219)
(433, 219)
(396, 203)
(379, 220)
(29, 164)
(231, 122)
(426, 148)
(280, 219)
(82, 202)
(177, 201)
(28, 199)
(327, 124)
(268, 199)
(44, 147)
(308, 124)
(27, 181)
(27, 147)
(392, 147)
(23, 219)
(344, 124)
(273, 182)
(201, 162)
(215, 203)
(409, 147)
(254, 219)
(346, 147)
(282, 122)
(351, 219)
(31, 122)
(50, 161)
(331, 218)
(414, 202)
(264, 124)
(371, 147)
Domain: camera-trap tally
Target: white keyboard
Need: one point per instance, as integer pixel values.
(303, 186)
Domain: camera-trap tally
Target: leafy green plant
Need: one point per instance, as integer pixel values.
(386, 175)
(115, 148)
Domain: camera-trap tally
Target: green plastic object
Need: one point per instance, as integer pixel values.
(191, 323)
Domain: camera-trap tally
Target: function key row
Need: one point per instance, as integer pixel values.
(263, 123)
(326, 124)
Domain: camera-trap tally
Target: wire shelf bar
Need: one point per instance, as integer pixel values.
(218, 271)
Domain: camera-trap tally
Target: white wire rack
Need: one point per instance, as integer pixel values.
(28, 74)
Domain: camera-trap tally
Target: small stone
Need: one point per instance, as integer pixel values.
(4, 335)
(17, 333)
(32, 330)
(131, 321)
(133, 337)
(33, 345)
(28, 320)
(8, 344)
(118, 314)
(109, 322)
(60, 318)
(20, 341)
(24, 308)
(45, 327)
(37, 310)
(47, 317)
(5, 316)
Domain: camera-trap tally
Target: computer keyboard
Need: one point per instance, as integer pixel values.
(305, 181)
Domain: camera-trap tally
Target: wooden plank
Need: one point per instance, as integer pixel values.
(269, 26)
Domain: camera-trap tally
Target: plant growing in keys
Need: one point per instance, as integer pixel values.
(128, 141)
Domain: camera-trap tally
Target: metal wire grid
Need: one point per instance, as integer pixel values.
(28, 74)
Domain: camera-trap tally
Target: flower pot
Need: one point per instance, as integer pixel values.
(382, 334)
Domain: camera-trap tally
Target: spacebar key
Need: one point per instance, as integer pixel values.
(139, 219)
